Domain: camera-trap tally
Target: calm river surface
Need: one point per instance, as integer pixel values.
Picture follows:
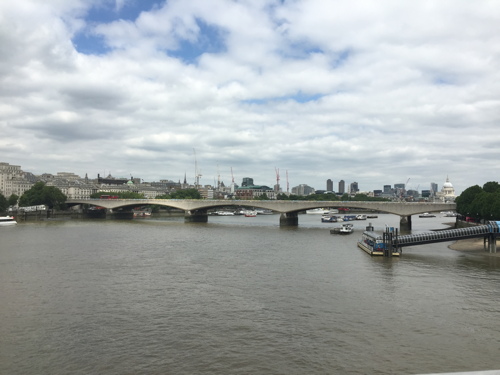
(239, 296)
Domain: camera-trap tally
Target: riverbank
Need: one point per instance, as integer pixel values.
(472, 246)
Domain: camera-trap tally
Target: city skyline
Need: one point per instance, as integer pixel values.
(365, 93)
(340, 186)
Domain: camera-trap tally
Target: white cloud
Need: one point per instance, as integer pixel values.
(368, 92)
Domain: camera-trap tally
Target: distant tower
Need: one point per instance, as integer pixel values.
(329, 185)
(341, 187)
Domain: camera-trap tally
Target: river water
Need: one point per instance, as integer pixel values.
(239, 296)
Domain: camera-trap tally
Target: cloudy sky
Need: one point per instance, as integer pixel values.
(376, 92)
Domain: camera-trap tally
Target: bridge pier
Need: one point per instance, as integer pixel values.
(289, 219)
(405, 223)
(492, 243)
(196, 216)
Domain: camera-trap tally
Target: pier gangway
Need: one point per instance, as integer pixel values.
(488, 231)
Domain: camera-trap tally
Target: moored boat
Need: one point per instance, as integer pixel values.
(250, 213)
(224, 213)
(318, 211)
(7, 220)
(328, 218)
(373, 244)
(426, 214)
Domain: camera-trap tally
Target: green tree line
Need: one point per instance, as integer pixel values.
(480, 203)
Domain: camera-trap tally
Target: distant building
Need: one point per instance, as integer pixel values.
(13, 180)
(110, 180)
(447, 193)
(341, 187)
(353, 188)
(434, 189)
(329, 185)
(302, 189)
(247, 181)
(254, 191)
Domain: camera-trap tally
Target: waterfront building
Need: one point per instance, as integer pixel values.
(13, 180)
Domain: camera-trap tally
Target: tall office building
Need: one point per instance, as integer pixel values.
(247, 181)
(434, 189)
(329, 185)
(353, 188)
(341, 187)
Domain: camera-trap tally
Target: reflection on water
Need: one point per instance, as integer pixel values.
(239, 295)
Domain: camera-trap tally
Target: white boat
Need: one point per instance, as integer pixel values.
(360, 217)
(7, 220)
(318, 211)
(343, 229)
(346, 229)
(224, 213)
(250, 213)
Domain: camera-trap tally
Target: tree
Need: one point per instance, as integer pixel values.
(464, 200)
(13, 199)
(262, 197)
(186, 194)
(41, 194)
(491, 187)
(3, 203)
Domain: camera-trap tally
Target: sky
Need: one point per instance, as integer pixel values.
(374, 92)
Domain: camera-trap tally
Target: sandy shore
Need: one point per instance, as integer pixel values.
(473, 245)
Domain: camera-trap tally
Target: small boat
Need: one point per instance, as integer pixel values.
(426, 214)
(360, 217)
(343, 229)
(328, 219)
(346, 229)
(7, 220)
(373, 244)
(250, 213)
(371, 216)
(449, 214)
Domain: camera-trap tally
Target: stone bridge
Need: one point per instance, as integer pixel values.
(196, 209)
